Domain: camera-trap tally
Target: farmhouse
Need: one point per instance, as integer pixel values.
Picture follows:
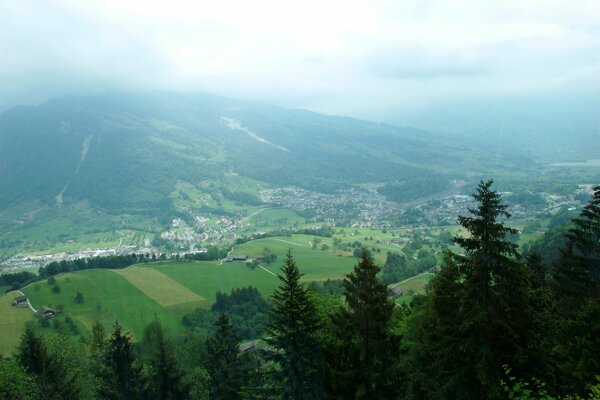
(45, 312)
(241, 258)
(21, 301)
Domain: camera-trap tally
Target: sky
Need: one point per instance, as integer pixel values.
(370, 59)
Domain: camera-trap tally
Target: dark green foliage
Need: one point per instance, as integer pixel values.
(225, 364)
(478, 317)
(292, 332)
(396, 268)
(116, 262)
(361, 364)
(330, 287)
(163, 375)
(577, 273)
(576, 282)
(246, 308)
(52, 371)
(79, 298)
(16, 383)
(17, 280)
(119, 375)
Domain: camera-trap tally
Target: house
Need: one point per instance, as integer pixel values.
(241, 258)
(45, 312)
(397, 292)
(21, 301)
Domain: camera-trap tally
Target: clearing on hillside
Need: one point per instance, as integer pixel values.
(12, 323)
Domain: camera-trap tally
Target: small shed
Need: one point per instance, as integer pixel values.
(45, 312)
(21, 301)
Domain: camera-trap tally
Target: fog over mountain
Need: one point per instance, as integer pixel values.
(413, 62)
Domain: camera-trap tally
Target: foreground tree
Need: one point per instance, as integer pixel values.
(15, 382)
(225, 364)
(478, 317)
(576, 283)
(361, 359)
(163, 372)
(293, 331)
(51, 370)
(577, 272)
(119, 375)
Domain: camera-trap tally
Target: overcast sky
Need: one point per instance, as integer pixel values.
(362, 58)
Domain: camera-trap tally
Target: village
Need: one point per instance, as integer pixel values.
(350, 208)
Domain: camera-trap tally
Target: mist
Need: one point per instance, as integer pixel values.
(387, 61)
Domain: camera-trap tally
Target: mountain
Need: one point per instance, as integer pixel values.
(122, 151)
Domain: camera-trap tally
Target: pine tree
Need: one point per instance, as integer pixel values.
(577, 273)
(225, 364)
(119, 376)
(366, 343)
(292, 331)
(54, 378)
(16, 383)
(576, 283)
(479, 312)
(165, 375)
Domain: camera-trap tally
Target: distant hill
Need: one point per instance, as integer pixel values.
(128, 151)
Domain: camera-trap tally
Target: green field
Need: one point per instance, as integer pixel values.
(412, 286)
(168, 290)
(315, 264)
(136, 295)
(107, 297)
(12, 323)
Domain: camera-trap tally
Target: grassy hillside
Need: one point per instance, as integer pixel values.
(136, 295)
(12, 323)
(315, 264)
(107, 297)
(411, 286)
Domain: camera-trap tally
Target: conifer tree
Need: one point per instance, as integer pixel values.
(120, 376)
(576, 283)
(577, 273)
(293, 329)
(366, 345)
(480, 307)
(165, 376)
(225, 364)
(51, 373)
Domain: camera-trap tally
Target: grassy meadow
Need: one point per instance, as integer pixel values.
(412, 286)
(12, 323)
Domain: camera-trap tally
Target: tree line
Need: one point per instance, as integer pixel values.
(493, 324)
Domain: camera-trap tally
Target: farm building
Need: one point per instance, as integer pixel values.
(45, 312)
(21, 301)
(241, 258)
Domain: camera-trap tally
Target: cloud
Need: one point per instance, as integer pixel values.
(346, 57)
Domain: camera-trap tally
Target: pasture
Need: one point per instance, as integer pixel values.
(12, 323)
(108, 297)
(168, 290)
(411, 286)
(315, 264)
